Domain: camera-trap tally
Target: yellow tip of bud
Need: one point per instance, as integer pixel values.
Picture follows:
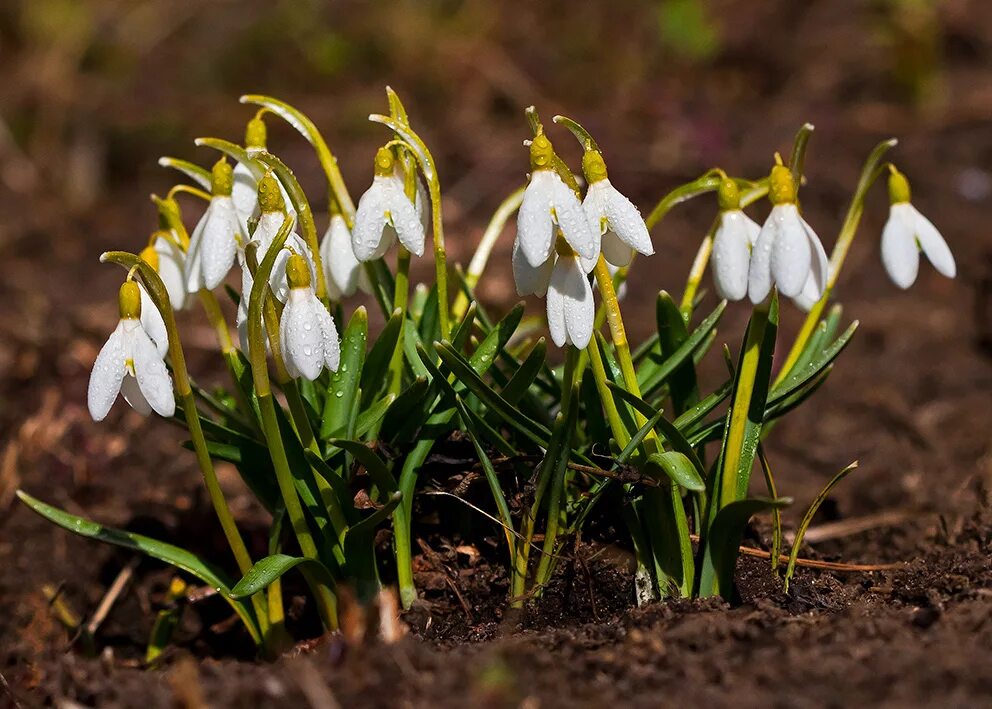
(728, 195)
(898, 186)
(150, 256)
(593, 166)
(384, 162)
(269, 195)
(221, 178)
(541, 152)
(129, 300)
(298, 272)
(782, 188)
(256, 134)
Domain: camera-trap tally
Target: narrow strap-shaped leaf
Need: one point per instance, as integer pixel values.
(722, 544)
(678, 468)
(376, 466)
(697, 413)
(267, 570)
(377, 362)
(801, 375)
(672, 333)
(169, 553)
(526, 373)
(345, 382)
(808, 518)
(367, 420)
(652, 376)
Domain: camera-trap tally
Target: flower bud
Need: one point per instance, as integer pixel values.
(384, 162)
(541, 153)
(129, 300)
(269, 195)
(898, 187)
(221, 178)
(728, 196)
(593, 166)
(298, 272)
(255, 134)
(782, 188)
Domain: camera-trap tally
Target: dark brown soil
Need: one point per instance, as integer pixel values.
(911, 398)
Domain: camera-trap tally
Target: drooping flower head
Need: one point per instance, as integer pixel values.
(343, 272)
(215, 239)
(131, 363)
(907, 233)
(384, 205)
(787, 253)
(307, 335)
(548, 202)
(735, 236)
(169, 261)
(612, 215)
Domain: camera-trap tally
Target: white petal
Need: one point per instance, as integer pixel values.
(571, 310)
(404, 218)
(625, 221)
(615, 250)
(900, 254)
(753, 229)
(570, 216)
(731, 256)
(759, 281)
(934, 246)
(819, 272)
(194, 262)
(791, 254)
(341, 269)
(370, 217)
(134, 397)
(331, 342)
(172, 270)
(535, 227)
(527, 278)
(214, 250)
(594, 206)
(107, 374)
(153, 323)
(300, 335)
(152, 374)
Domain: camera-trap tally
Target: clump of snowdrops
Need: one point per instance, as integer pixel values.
(330, 426)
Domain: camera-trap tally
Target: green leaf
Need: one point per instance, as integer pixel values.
(808, 518)
(169, 553)
(697, 413)
(676, 466)
(672, 334)
(374, 465)
(722, 543)
(366, 420)
(345, 382)
(267, 570)
(377, 362)
(801, 375)
(656, 371)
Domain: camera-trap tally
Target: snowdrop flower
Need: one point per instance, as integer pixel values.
(215, 239)
(569, 299)
(787, 253)
(132, 364)
(612, 215)
(906, 233)
(549, 201)
(307, 334)
(385, 204)
(169, 261)
(343, 272)
(735, 236)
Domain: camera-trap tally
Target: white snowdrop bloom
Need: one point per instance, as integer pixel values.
(787, 251)
(735, 236)
(549, 201)
(343, 273)
(811, 292)
(307, 335)
(531, 280)
(130, 363)
(906, 233)
(615, 217)
(383, 205)
(171, 267)
(571, 310)
(153, 322)
(214, 242)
